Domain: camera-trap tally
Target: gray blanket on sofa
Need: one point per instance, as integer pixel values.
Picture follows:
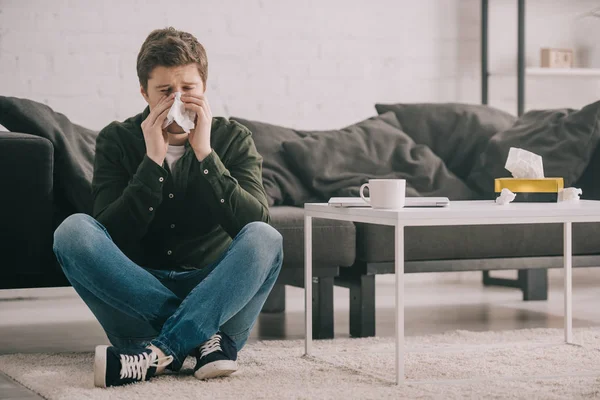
(74, 149)
(336, 163)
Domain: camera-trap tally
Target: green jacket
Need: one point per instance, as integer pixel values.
(188, 222)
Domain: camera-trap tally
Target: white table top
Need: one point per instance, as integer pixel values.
(464, 213)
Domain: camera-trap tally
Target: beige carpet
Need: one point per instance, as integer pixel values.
(532, 364)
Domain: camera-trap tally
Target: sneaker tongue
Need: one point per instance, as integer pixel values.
(151, 372)
(152, 369)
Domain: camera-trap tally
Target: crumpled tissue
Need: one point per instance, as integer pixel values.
(570, 194)
(524, 164)
(184, 118)
(506, 196)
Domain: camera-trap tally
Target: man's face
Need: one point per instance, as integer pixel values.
(166, 80)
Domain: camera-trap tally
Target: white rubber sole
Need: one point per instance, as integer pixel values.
(216, 369)
(100, 366)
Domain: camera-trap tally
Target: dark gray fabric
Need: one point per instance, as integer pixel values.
(74, 147)
(566, 140)
(281, 184)
(456, 132)
(26, 163)
(334, 242)
(337, 162)
(589, 182)
(375, 243)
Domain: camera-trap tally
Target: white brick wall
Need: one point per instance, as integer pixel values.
(306, 64)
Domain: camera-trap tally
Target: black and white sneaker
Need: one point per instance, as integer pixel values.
(216, 357)
(114, 367)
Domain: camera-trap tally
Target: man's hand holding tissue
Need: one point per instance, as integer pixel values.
(199, 137)
(155, 136)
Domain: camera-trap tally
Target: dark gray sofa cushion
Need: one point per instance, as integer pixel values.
(337, 162)
(565, 138)
(376, 242)
(74, 148)
(456, 132)
(334, 242)
(281, 185)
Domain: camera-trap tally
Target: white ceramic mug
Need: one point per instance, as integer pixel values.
(385, 193)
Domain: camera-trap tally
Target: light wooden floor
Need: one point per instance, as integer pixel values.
(56, 320)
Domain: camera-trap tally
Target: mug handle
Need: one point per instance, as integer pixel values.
(362, 196)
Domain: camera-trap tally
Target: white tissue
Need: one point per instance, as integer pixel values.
(184, 118)
(569, 194)
(506, 196)
(524, 164)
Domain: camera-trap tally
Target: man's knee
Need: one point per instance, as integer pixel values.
(261, 245)
(264, 236)
(264, 242)
(74, 229)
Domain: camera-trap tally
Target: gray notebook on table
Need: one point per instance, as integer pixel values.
(409, 202)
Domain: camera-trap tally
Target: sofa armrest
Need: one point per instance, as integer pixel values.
(589, 181)
(26, 210)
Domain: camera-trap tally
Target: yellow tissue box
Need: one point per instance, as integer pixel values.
(543, 190)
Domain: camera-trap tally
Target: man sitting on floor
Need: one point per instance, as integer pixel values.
(178, 258)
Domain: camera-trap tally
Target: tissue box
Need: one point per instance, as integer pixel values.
(531, 190)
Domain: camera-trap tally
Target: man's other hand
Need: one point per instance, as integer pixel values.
(199, 137)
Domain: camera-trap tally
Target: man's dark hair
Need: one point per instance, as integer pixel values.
(170, 48)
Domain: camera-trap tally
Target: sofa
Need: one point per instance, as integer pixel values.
(449, 149)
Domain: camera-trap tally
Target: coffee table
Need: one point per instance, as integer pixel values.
(457, 213)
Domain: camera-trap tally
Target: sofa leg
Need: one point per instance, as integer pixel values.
(506, 282)
(275, 303)
(534, 283)
(322, 303)
(486, 278)
(362, 306)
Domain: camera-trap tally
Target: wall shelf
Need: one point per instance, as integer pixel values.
(563, 71)
(555, 72)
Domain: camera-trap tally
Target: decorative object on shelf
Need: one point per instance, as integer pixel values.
(556, 58)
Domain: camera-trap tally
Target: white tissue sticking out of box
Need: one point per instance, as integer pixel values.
(569, 194)
(184, 118)
(524, 164)
(506, 196)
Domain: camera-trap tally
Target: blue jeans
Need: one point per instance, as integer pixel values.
(174, 310)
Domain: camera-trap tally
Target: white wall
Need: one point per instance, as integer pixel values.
(306, 64)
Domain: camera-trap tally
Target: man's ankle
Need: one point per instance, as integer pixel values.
(160, 354)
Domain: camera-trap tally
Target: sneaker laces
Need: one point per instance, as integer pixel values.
(136, 366)
(211, 345)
